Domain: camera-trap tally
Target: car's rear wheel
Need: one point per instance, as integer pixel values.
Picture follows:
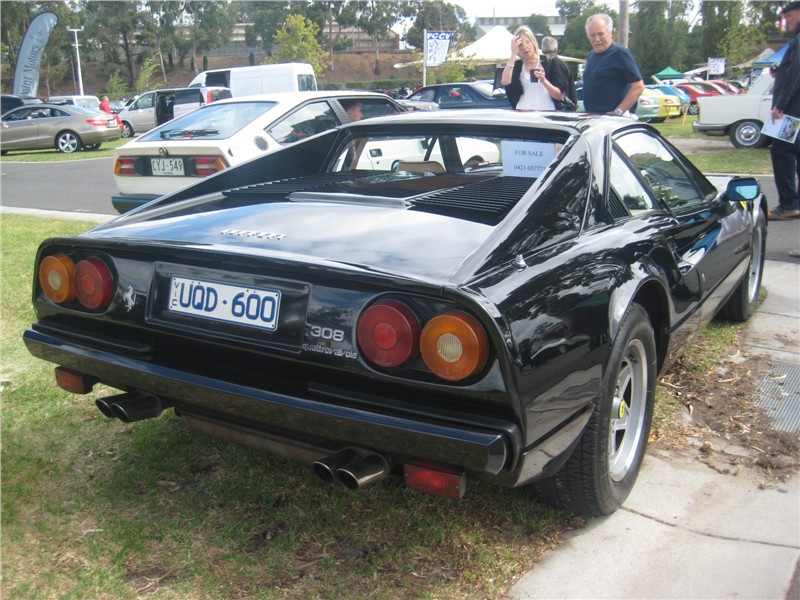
(68, 142)
(693, 108)
(91, 146)
(602, 469)
(743, 302)
(747, 134)
(127, 130)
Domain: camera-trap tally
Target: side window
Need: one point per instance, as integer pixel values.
(627, 187)
(305, 83)
(377, 107)
(455, 95)
(145, 101)
(426, 96)
(664, 174)
(191, 96)
(307, 121)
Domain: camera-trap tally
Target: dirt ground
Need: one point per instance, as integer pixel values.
(720, 423)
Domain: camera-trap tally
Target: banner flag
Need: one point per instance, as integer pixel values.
(716, 66)
(437, 46)
(26, 75)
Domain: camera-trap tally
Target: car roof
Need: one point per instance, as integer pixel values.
(298, 97)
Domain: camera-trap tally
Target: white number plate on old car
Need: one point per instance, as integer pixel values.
(167, 166)
(251, 306)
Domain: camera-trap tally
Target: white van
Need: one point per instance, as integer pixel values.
(85, 101)
(261, 79)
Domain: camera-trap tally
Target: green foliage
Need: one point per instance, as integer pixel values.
(297, 42)
(439, 16)
(574, 42)
(539, 25)
(115, 87)
(143, 81)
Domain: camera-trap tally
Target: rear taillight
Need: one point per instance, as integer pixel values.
(454, 345)
(125, 166)
(94, 283)
(97, 122)
(208, 165)
(388, 333)
(56, 277)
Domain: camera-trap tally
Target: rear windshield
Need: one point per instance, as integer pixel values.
(212, 122)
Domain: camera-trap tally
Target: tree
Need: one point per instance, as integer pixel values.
(112, 25)
(211, 22)
(439, 16)
(376, 17)
(539, 25)
(160, 31)
(297, 42)
(267, 18)
(573, 9)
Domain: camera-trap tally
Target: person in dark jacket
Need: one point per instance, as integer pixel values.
(525, 80)
(786, 102)
(559, 74)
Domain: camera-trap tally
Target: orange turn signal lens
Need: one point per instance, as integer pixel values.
(56, 277)
(454, 345)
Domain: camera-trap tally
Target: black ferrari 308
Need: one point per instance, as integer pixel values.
(441, 295)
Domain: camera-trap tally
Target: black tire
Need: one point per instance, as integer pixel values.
(747, 134)
(91, 147)
(127, 130)
(602, 469)
(744, 300)
(68, 142)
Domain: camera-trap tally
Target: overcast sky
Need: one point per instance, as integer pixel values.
(506, 8)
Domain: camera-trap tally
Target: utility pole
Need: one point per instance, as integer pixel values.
(78, 58)
(622, 33)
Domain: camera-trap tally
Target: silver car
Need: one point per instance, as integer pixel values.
(65, 128)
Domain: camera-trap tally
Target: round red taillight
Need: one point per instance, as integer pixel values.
(454, 345)
(94, 283)
(56, 277)
(388, 333)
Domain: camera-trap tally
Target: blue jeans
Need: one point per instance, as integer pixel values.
(786, 167)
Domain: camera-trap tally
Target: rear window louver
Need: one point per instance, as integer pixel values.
(486, 201)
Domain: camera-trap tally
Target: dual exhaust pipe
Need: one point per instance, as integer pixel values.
(131, 406)
(352, 468)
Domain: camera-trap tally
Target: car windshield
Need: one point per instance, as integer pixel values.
(433, 155)
(213, 122)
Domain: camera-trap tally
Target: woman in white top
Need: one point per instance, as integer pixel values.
(524, 79)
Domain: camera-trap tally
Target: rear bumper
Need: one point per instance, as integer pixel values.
(710, 128)
(124, 203)
(489, 449)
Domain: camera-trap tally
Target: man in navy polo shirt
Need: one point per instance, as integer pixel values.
(612, 82)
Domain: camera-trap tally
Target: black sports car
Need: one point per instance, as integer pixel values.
(496, 303)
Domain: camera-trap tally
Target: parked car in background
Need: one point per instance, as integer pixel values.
(156, 107)
(76, 100)
(697, 90)
(504, 323)
(672, 90)
(475, 94)
(226, 133)
(67, 128)
(725, 86)
(9, 101)
(739, 116)
(665, 106)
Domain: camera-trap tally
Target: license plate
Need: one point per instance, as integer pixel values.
(251, 306)
(167, 166)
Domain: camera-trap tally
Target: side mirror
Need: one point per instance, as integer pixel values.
(742, 188)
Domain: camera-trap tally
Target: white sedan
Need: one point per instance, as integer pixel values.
(227, 133)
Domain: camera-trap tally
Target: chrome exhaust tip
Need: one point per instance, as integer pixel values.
(367, 470)
(325, 468)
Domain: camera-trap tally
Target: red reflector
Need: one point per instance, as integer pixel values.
(74, 382)
(94, 283)
(97, 122)
(436, 481)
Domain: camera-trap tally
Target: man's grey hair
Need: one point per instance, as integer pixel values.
(607, 21)
(549, 45)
